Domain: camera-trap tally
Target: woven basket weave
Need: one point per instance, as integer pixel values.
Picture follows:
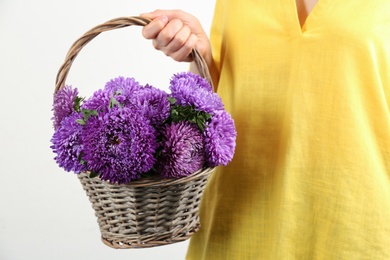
(151, 211)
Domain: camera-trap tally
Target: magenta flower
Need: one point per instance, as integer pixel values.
(63, 104)
(119, 145)
(182, 150)
(220, 139)
(67, 144)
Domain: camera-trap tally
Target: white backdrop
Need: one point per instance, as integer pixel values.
(44, 213)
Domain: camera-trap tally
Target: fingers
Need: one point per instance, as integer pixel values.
(180, 50)
(174, 30)
(175, 33)
(154, 27)
(171, 14)
(172, 37)
(179, 35)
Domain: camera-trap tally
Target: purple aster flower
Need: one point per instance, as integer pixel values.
(192, 80)
(121, 89)
(220, 139)
(200, 97)
(67, 144)
(122, 85)
(182, 150)
(119, 145)
(101, 101)
(153, 104)
(63, 104)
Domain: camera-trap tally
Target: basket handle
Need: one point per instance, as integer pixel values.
(116, 23)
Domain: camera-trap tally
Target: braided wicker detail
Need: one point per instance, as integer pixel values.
(146, 213)
(116, 23)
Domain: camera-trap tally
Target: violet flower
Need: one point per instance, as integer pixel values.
(182, 150)
(189, 92)
(220, 139)
(121, 85)
(119, 145)
(67, 144)
(153, 104)
(192, 80)
(101, 101)
(63, 104)
(120, 88)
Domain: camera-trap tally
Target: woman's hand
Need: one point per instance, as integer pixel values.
(176, 33)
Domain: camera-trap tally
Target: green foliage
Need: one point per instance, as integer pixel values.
(114, 102)
(86, 114)
(77, 103)
(188, 113)
(93, 174)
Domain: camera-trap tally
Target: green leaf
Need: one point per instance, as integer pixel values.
(114, 102)
(188, 113)
(81, 121)
(174, 114)
(200, 126)
(77, 103)
(172, 100)
(88, 113)
(93, 174)
(80, 159)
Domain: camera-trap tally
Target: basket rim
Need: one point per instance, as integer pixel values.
(151, 181)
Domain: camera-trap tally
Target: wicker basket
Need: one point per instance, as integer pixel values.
(151, 211)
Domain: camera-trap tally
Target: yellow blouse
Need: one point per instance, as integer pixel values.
(311, 174)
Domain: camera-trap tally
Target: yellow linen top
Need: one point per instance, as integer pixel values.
(311, 174)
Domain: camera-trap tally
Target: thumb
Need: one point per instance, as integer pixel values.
(169, 15)
(152, 15)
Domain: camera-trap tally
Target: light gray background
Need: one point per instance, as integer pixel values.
(44, 213)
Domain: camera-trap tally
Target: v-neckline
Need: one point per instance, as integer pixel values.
(303, 28)
(304, 8)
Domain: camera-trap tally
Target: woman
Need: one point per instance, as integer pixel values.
(308, 85)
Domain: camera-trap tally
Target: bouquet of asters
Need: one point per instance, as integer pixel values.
(126, 131)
